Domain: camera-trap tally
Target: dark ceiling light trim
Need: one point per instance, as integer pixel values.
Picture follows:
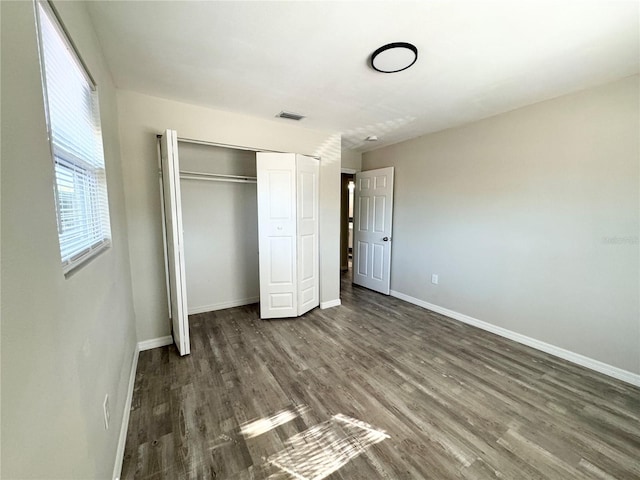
(290, 116)
(389, 47)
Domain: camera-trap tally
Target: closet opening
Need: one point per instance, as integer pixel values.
(222, 205)
(220, 225)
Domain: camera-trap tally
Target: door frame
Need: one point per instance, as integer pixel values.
(345, 178)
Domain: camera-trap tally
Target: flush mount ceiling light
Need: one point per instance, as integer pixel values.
(394, 57)
(371, 138)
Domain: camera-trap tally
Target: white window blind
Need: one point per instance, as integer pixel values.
(76, 143)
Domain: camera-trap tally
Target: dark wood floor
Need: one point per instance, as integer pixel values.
(455, 401)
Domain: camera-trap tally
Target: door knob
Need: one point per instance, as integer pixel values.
(385, 239)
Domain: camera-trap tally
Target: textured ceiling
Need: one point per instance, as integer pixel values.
(476, 59)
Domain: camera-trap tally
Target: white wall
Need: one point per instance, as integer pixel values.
(530, 218)
(66, 342)
(351, 159)
(220, 223)
(141, 118)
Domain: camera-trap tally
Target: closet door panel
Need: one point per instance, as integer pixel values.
(276, 174)
(308, 170)
(174, 244)
(282, 270)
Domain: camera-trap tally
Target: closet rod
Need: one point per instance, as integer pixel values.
(218, 177)
(214, 179)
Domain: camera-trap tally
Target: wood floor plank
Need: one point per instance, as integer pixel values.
(457, 402)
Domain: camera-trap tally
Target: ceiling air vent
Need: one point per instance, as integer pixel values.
(290, 116)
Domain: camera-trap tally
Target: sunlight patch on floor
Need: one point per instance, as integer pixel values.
(320, 450)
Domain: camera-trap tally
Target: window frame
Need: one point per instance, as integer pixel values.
(63, 158)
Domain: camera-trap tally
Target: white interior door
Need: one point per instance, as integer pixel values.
(277, 242)
(373, 218)
(308, 170)
(174, 246)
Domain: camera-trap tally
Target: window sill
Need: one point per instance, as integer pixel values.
(74, 266)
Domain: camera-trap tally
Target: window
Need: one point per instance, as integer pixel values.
(73, 118)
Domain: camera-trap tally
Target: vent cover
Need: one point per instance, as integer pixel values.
(290, 116)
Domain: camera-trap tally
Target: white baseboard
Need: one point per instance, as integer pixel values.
(155, 343)
(330, 303)
(124, 426)
(223, 305)
(598, 366)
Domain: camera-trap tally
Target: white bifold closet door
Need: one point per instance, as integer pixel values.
(288, 234)
(174, 244)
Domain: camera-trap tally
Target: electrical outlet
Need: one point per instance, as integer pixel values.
(434, 279)
(107, 413)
